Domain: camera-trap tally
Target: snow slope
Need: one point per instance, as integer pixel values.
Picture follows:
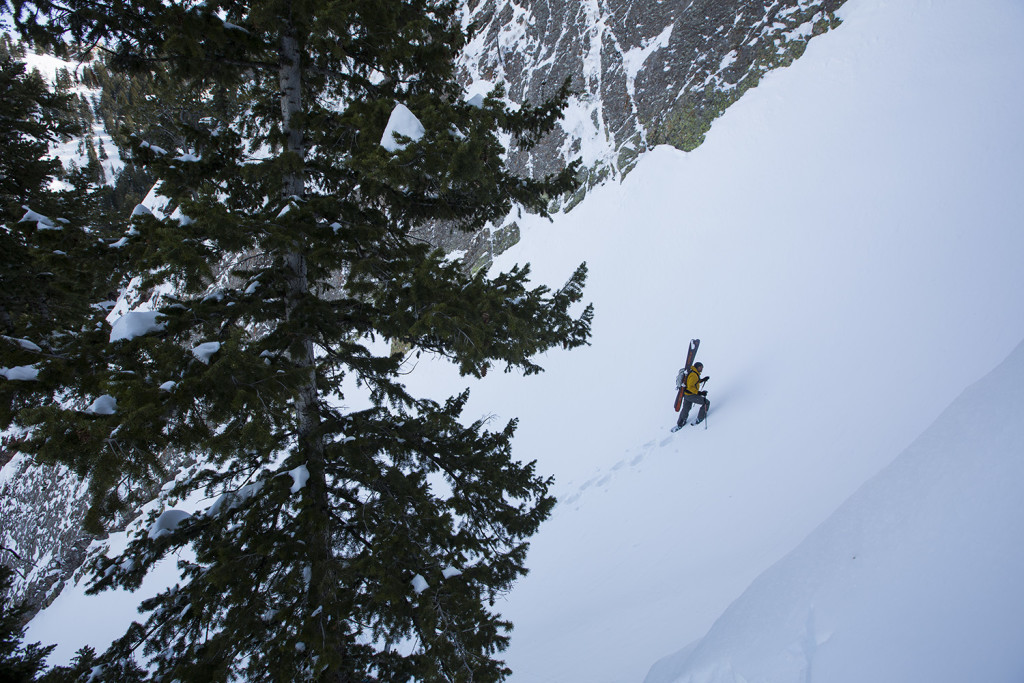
(915, 578)
(846, 244)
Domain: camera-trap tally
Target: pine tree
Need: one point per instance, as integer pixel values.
(152, 106)
(19, 663)
(342, 544)
(53, 264)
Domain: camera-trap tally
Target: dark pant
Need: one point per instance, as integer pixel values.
(688, 400)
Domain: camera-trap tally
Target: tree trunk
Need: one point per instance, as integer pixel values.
(323, 580)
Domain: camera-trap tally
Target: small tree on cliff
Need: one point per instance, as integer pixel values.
(342, 545)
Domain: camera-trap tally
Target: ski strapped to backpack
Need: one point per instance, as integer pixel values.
(691, 356)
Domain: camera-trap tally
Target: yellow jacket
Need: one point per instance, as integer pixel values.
(692, 382)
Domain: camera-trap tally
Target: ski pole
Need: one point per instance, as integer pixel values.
(707, 406)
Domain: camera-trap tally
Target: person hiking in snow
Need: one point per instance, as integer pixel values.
(693, 393)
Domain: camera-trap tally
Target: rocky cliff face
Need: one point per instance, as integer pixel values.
(645, 72)
(40, 529)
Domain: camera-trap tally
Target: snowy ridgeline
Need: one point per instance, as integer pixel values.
(917, 577)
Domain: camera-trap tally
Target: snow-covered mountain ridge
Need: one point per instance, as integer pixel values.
(864, 282)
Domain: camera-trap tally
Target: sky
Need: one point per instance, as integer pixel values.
(846, 245)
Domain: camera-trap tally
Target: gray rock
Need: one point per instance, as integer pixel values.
(646, 72)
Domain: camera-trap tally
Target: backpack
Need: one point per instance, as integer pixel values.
(681, 377)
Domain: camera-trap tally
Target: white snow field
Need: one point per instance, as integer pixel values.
(915, 578)
(847, 244)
